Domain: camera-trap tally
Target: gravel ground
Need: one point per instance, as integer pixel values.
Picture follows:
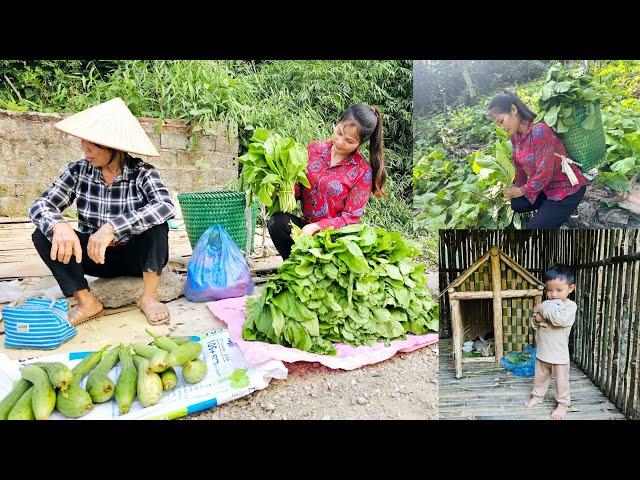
(403, 387)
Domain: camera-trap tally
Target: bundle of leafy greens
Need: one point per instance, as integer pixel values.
(567, 98)
(355, 285)
(518, 358)
(273, 163)
(466, 194)
(498, 169)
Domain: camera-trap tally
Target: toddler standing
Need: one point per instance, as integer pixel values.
(552, 322)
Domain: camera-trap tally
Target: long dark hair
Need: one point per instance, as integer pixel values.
(502, 102)
(368, 121)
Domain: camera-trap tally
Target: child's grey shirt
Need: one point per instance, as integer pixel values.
(552, 342)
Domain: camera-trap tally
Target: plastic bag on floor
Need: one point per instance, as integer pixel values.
(217, 269)
(10, 291)
(521, 364)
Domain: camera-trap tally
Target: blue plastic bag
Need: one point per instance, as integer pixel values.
(521, 368)
(217, 269)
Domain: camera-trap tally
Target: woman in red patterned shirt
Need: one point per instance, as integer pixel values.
(341, 179)
(546, 180)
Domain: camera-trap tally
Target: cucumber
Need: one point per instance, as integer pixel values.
(149, 384)
(169, 378)
(59, 374)
(44, 396)
(156, 356)
(8, 402)
(162, 341)
(194, 371)
(99, 385)
(127, 381)
(75, 401)
(184, 353)
(23, 410)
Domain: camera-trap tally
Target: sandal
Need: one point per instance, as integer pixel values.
(153, 307)
(78, 316)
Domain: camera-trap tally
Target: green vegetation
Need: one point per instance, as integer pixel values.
(461, 156)
(355, 285)
(300, 99)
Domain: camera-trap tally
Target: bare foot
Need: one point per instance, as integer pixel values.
(532, 402)
(85, 311)
(156, 312)
(559, 413)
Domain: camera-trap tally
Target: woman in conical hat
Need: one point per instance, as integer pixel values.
(123, 209)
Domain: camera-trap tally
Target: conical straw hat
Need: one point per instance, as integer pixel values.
(110, 124)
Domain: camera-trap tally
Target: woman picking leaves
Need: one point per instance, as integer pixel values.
(546, 180)
(341, 179)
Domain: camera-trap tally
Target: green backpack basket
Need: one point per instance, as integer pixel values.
(585, 141)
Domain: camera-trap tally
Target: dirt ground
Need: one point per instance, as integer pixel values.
(403, 387)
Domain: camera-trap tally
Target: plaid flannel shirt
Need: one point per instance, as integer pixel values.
(136, 201)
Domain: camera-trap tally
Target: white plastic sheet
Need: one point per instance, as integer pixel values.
(223, 359)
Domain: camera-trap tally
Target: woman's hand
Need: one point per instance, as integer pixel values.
(512, 192)
(98, 243)
(309, 230)
(65, 243)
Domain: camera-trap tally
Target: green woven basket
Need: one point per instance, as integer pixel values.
(587, 147)
(201, 210)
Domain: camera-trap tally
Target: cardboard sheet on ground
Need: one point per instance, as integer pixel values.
(229, 377)
(232, 312)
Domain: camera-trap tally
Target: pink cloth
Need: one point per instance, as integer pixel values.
(232, 312)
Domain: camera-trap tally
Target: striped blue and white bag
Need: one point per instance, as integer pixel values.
(37, 323)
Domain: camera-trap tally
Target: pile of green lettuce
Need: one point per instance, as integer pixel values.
(273, 163)
(356, 285)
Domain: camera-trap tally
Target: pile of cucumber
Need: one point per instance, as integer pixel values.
(146, 372)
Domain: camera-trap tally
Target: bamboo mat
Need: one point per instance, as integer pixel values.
(490, 392)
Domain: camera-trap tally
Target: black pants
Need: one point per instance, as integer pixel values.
(280, 231)
(147, 252)
(550, 213)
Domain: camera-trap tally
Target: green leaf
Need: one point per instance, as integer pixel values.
(393, 272)
(547, 91)
(562, 87)
(273, 162)
(614, 180)
(561, 127)
(517, 220)
(277, 319)
(551, 117)
(624, 166)
(632, 140)
(239, 378)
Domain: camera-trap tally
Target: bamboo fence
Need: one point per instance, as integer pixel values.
(605, 339)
